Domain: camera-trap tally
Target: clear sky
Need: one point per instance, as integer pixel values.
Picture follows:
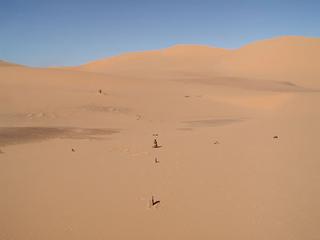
(72, 32)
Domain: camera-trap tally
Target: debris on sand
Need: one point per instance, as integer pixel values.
(156, 160)
(155, 143)
(275, 137)
(153, 202)
(216, 142)
(100, 91)
(73, 150)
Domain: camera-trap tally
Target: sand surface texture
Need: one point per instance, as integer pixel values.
(238, 145)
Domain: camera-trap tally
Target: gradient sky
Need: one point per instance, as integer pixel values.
(72, 32)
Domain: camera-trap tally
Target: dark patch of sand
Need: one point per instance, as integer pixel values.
(212, 122)
(105, 109)
(19, 135)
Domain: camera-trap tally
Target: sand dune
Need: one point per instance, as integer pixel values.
(77, 158)
(8, 64)
(176, 59)
(290, 59)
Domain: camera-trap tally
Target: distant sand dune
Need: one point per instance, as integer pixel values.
(284, 59)
(8, 64)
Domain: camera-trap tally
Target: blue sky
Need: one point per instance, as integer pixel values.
(72, 32)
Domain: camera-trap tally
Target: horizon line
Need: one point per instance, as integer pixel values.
(160, 49)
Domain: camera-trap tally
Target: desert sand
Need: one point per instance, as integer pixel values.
(238, 134)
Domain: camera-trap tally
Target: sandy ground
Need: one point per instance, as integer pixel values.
(238, 155)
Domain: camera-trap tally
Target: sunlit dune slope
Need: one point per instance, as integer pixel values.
(293, 60)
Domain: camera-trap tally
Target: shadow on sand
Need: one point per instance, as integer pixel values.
(19, 135)
(211, 122)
